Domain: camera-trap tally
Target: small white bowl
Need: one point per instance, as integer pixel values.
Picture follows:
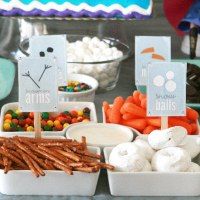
(87, 95)
(100, 134)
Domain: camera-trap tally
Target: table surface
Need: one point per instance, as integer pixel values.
(9, 41)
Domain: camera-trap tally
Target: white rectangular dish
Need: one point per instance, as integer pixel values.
(23, 182)
(62, 106)
(152, 183)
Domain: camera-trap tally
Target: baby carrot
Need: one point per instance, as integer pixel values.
(108, 115)
(144, 103)
(142, 96)
(106, 106)
(115, 115)
(177, 122)
(149, 129)
(122, 111)
(138, 124)
(128, 116)
(129, 99)
(154, 121)
(134, 109)
(192, 114)
(194, 128)
(136, 99)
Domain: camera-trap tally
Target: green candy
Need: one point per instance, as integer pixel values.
(47, 128)
(13, 126)
(20, 129)
(66, 112)
(45, 115)
(10, 112)
(14, 115)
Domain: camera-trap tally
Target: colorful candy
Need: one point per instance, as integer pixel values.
(74, 86)
(23, 121)
(132, 112)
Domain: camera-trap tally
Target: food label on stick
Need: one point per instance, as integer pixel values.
(150, 49)
(37, 84)
(166, 89)
(51, 46)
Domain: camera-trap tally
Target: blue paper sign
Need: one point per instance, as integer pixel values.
(53, 46)
(150, 49)
(166, 89)
(37, 84)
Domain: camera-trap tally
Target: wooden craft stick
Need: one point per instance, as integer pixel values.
(37, 124)
(164, 122)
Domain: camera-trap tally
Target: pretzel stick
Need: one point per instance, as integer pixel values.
(17, 155)
(49, 164)
(37, 167)
(28, 162)
(69, 155)
(84, 142)
(43, 140)
(11, 157)
(48, 156)
(52, 144)
(87, 169)
(31, 154)
(106, 166)
(78, 164)
(87, 153)
(5, 162)
(55, 154)
(65, 169)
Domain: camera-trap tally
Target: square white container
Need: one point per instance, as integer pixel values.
(152, 183)
(23, 182)
(62, 106)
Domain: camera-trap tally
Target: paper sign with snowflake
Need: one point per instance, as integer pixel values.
(150, 49)
(37, 84)
(51, 46)
(166, 89)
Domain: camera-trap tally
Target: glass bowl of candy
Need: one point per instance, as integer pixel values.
(98, 57)
(79, 87)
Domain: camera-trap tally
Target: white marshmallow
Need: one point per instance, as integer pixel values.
(191, 145)
(124, 157)
(171, 159)
(193, 167)
(144, 147)
(86, 40)
(170, 137)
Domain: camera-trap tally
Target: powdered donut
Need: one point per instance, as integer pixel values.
(125, 159)
(191, 145)
(193, 167)
(145, 148)
(170, 137)
(171, 159)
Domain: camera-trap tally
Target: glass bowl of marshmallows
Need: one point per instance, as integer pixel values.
(93, 56)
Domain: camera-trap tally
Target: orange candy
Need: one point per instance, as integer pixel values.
(8, 116)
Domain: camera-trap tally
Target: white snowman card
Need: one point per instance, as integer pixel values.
(150, 49)
(46, 46)
(37, 84)
(166, 89)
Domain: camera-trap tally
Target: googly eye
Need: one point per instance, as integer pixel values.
(42, 54)
(50, 49)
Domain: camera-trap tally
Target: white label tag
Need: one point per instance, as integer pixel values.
(51, 46)
(37, 84)
(166, 89)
